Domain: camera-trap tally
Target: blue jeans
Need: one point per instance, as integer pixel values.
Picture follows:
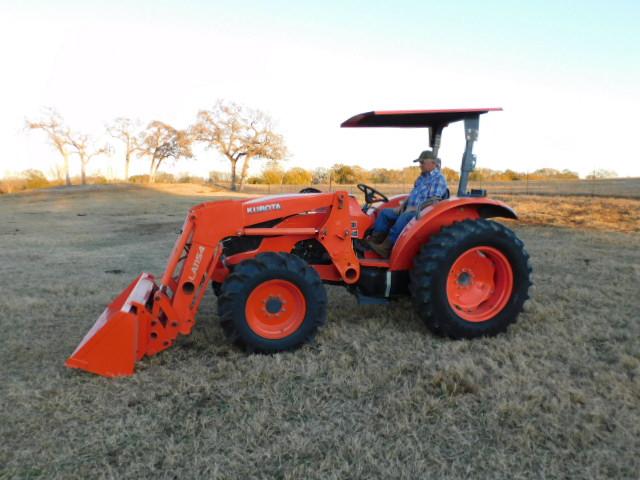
(390, 221)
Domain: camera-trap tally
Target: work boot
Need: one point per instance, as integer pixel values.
(377, 237)
(383, 249)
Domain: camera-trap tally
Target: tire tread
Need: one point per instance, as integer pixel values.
(232, 291)
(431, 259)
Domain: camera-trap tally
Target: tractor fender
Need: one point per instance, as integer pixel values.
(431, 219)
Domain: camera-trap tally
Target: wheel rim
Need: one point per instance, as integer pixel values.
(479, 284)
(275, 309)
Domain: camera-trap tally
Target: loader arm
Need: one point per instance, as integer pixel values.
(147, 317)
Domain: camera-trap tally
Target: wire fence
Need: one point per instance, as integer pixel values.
(615, 187)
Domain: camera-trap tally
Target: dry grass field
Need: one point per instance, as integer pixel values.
(376, 395)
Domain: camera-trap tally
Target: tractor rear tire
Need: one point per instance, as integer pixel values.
(271, 303)
(471, 279)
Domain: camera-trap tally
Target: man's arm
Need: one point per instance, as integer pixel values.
(440, 187)
(402, 207)
(435, 187)
(436, 193)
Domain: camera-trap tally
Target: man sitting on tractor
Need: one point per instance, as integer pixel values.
(429, 188)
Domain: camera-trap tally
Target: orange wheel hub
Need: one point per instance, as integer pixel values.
(275, 309)
(479, 284)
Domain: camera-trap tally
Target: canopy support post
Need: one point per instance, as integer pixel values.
(471, 127)
(435, 135)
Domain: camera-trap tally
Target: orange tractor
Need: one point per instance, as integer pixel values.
(267, 259)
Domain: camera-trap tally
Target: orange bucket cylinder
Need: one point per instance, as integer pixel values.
(115, 341)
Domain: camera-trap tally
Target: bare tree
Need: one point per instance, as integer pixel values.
(238, 132)
(125, 129)
(58, 134)
(601, 174)
(321, 175)
(273, 173)
(86, 148)
(161, 141)
(57, 172)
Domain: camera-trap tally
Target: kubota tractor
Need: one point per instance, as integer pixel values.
(267, 259)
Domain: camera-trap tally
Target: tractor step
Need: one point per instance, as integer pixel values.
(366, 300)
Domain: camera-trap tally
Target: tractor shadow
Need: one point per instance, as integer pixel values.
(399, 314)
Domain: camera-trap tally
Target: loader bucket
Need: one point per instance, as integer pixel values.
(111, 347)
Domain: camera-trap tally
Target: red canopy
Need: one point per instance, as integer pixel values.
(414, 118)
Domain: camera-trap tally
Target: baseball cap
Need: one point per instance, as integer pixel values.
(426, 155)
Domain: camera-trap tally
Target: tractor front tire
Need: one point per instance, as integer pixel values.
(271, 303)
(471, 279)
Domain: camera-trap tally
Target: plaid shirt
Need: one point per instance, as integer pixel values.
(432, 184)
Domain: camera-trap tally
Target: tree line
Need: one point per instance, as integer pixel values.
(274, 174)
(240, 134)
(237, 132)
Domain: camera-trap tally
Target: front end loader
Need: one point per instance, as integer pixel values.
(268, 259)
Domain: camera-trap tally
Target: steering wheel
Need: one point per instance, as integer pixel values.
(371, 195)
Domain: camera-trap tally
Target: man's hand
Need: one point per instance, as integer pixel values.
(429, 202)
(401, 208)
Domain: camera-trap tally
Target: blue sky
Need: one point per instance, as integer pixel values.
(566, 73)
